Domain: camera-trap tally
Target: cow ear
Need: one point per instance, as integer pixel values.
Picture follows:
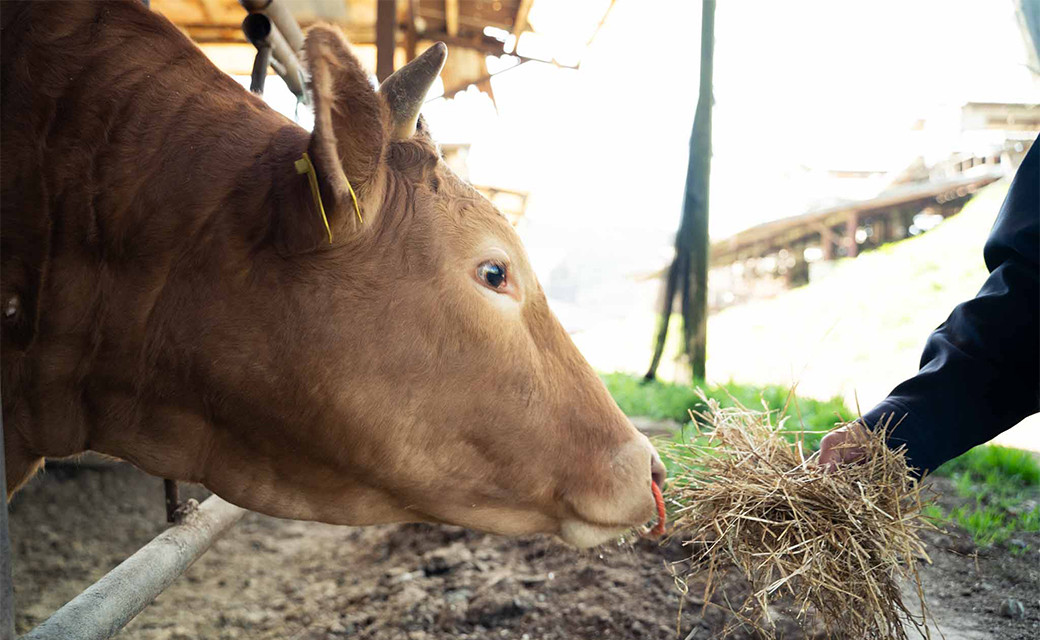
(350, 128)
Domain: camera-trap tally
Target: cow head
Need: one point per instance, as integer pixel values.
(433, 381)
(406, 367)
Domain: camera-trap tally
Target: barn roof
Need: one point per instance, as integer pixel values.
(763, 238)
(473, 30)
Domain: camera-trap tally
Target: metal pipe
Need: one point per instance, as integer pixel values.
(172, 499)
(111, 602)
(280, 15)
(6, 585)
(262, 32)
(278, 67)
(260, 64)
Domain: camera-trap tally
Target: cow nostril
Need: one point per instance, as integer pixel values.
(657, 470)
(657, 477)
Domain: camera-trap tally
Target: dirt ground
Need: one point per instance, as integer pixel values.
(273, 578)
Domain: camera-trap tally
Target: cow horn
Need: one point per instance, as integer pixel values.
(405, 90)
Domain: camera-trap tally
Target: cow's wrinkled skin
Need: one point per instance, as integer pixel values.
(170, 297)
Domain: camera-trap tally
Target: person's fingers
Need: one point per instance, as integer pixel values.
(830, 454)
(841, 445)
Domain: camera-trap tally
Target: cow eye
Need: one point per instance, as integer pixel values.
(492, 274)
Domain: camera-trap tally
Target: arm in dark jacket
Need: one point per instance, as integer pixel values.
(980, 371)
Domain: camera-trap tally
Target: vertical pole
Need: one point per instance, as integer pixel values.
(451, 17)
(411, 37)
(827, 242)
(260, 64)
(688, 273)
(386, 19)
(6, 586)
(172, 499)
(851, 224)
(695, 325)
(883, 231)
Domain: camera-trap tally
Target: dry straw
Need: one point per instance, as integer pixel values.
(832, 547)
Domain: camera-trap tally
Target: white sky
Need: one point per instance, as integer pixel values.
(816, 83)
(812, 83)
(826, 84)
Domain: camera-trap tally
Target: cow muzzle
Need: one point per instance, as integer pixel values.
(628, 502)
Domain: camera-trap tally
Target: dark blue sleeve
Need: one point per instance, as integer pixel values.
(980, 371)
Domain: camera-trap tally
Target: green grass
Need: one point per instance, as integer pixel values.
(1001, 482)
(1003, 466)
(986, 525)
(989, 525)
(667, 401)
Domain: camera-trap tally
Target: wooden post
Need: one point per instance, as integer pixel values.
(6, 584)
(851, 224)
(172, 499)
(695, 319)
(386, 42)
(896, 228)
(411, 36)
(451, 17)
(520, 23)
(827, 242)
(881, 234)
(688, 273)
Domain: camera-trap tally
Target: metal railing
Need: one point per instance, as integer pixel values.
(113, 601)
(278, 41)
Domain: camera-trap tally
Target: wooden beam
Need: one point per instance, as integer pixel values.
(471, 23)
(411, 36)
(212, 9)
(521, 17)
(827, 243)
(484, 44)
(851, 224)
(451, 16)
(882, 234)
(386, 41)
(203, 33)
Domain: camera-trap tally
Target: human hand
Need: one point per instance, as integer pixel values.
(842, 445)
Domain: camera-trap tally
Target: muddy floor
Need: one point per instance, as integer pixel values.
(273, 578)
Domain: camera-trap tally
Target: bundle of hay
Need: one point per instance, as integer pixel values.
(832, 546)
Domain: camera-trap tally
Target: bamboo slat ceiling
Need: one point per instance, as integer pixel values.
(216, 26)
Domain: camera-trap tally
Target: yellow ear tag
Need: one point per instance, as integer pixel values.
(305, 166)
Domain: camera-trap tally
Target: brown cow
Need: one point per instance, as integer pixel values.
(171, 296)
